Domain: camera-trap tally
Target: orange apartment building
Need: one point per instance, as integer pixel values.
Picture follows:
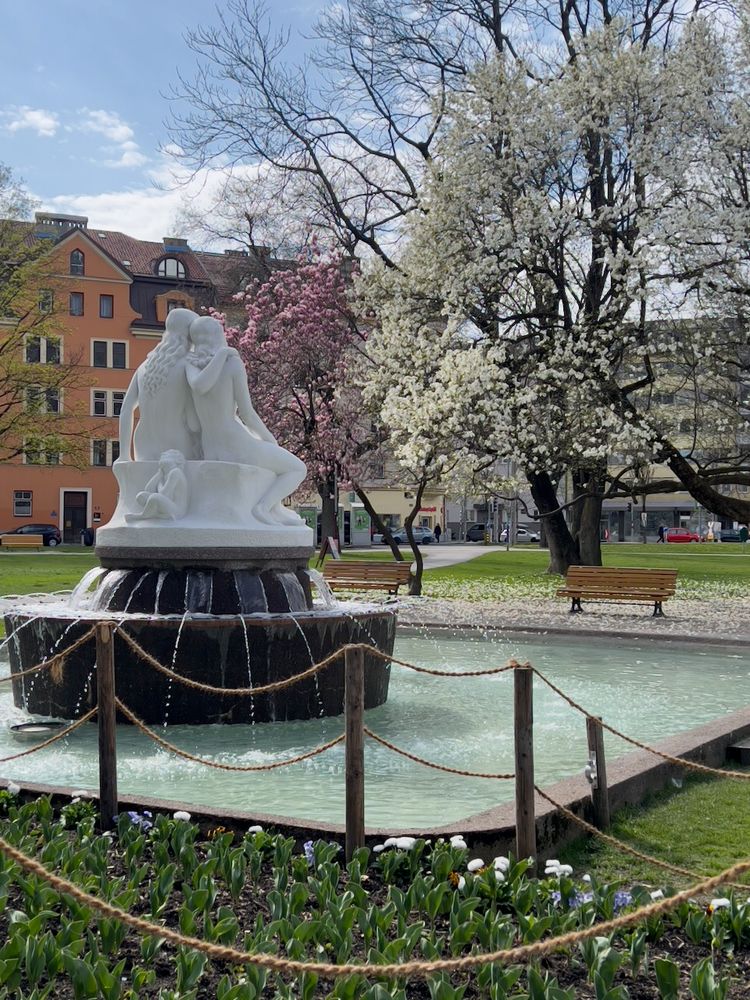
(112, 293)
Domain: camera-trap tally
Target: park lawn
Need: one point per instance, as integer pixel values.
(704, 826)
(694, 562)
(43, 572)
(61, 569)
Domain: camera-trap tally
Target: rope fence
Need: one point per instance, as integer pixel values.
(54, 663)
(354, 656)
(622, 846)
(53, 739)
(411, 969)
(132, 717)
(678, 761)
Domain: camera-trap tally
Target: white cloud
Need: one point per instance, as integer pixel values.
(148, 212)
(106, 123)
(44, 123)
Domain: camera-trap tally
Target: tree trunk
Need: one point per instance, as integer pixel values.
(328, 525)
(415, 587)
(379, 522)
(587, 512)
(562, 549)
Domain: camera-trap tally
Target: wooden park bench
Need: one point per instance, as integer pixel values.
(609, 584)
(366, 575)
(22, 541)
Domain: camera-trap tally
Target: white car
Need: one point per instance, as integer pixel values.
(522, 535)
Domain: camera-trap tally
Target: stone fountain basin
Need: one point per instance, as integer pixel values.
(236, 651)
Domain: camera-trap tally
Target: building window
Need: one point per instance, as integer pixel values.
(175, 304)
(106, 403)
(118, 355)
(106, 306)
(77, 262)
(34, 350)
(40, 400)
(22, 503)
(109, 354)
(46, 300)
(98, 452)
(99, 407)
(75, 304)
(104, 452)
(40, 452)
(51, 351)
(100, 353)
(170, 267)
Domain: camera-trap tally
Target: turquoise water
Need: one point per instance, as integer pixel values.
(649, 690)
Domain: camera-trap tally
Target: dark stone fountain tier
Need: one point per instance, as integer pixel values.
(229, 628)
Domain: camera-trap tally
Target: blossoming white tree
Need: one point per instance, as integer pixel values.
(559, 218)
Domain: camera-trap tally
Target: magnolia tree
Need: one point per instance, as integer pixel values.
(555, 219)
(301, 347)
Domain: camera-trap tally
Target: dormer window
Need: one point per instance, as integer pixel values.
(77, 262)
(170, 267)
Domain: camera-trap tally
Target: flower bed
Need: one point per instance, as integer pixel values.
(406, 899)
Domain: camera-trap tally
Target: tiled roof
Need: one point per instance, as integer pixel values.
(140, 256)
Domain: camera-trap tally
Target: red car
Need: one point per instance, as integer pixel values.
(682, 535)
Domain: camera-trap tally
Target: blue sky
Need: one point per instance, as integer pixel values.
(82, 105)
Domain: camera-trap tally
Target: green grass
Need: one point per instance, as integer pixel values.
(703, 827)
(43, 572)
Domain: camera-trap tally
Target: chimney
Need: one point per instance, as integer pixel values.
(50, 225)
(175, 244)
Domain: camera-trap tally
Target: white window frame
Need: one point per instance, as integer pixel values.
(108, 460)
(109, 343)
(43, 341)
(21, 497)
(44, 464)
(109, 402)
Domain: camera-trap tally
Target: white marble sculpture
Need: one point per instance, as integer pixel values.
(224, 492)
(160, 393)
(231, 430)
(165, 495)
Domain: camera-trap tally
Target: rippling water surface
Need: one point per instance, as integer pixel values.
(649, 690)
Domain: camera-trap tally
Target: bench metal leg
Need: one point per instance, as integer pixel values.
(575, 607)
(658, 612)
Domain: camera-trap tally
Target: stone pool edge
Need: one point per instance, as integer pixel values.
(491, 831)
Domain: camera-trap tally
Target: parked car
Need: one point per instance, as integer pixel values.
(50, 533)
(725, 535)
(522, 535)
(475, 533)
(422, 536)
(730, 535)
(682, 535)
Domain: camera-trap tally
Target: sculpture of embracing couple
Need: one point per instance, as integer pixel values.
(192, 397)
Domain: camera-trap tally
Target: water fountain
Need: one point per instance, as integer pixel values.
(201, 563)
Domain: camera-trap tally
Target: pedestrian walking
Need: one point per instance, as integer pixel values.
(438, 532)
(662, 534)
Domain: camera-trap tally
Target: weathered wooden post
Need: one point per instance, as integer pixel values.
(599, 789)
(523, 717)
(106, 721)
(354, 704)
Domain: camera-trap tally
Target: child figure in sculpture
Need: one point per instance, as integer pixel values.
(231, 430)
(165, 495)
(159, 390)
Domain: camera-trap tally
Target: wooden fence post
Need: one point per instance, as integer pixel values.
(106, 721)
(599, 788)
(354, 703)
(523, 681)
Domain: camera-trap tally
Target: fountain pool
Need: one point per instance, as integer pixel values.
(648, 689)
